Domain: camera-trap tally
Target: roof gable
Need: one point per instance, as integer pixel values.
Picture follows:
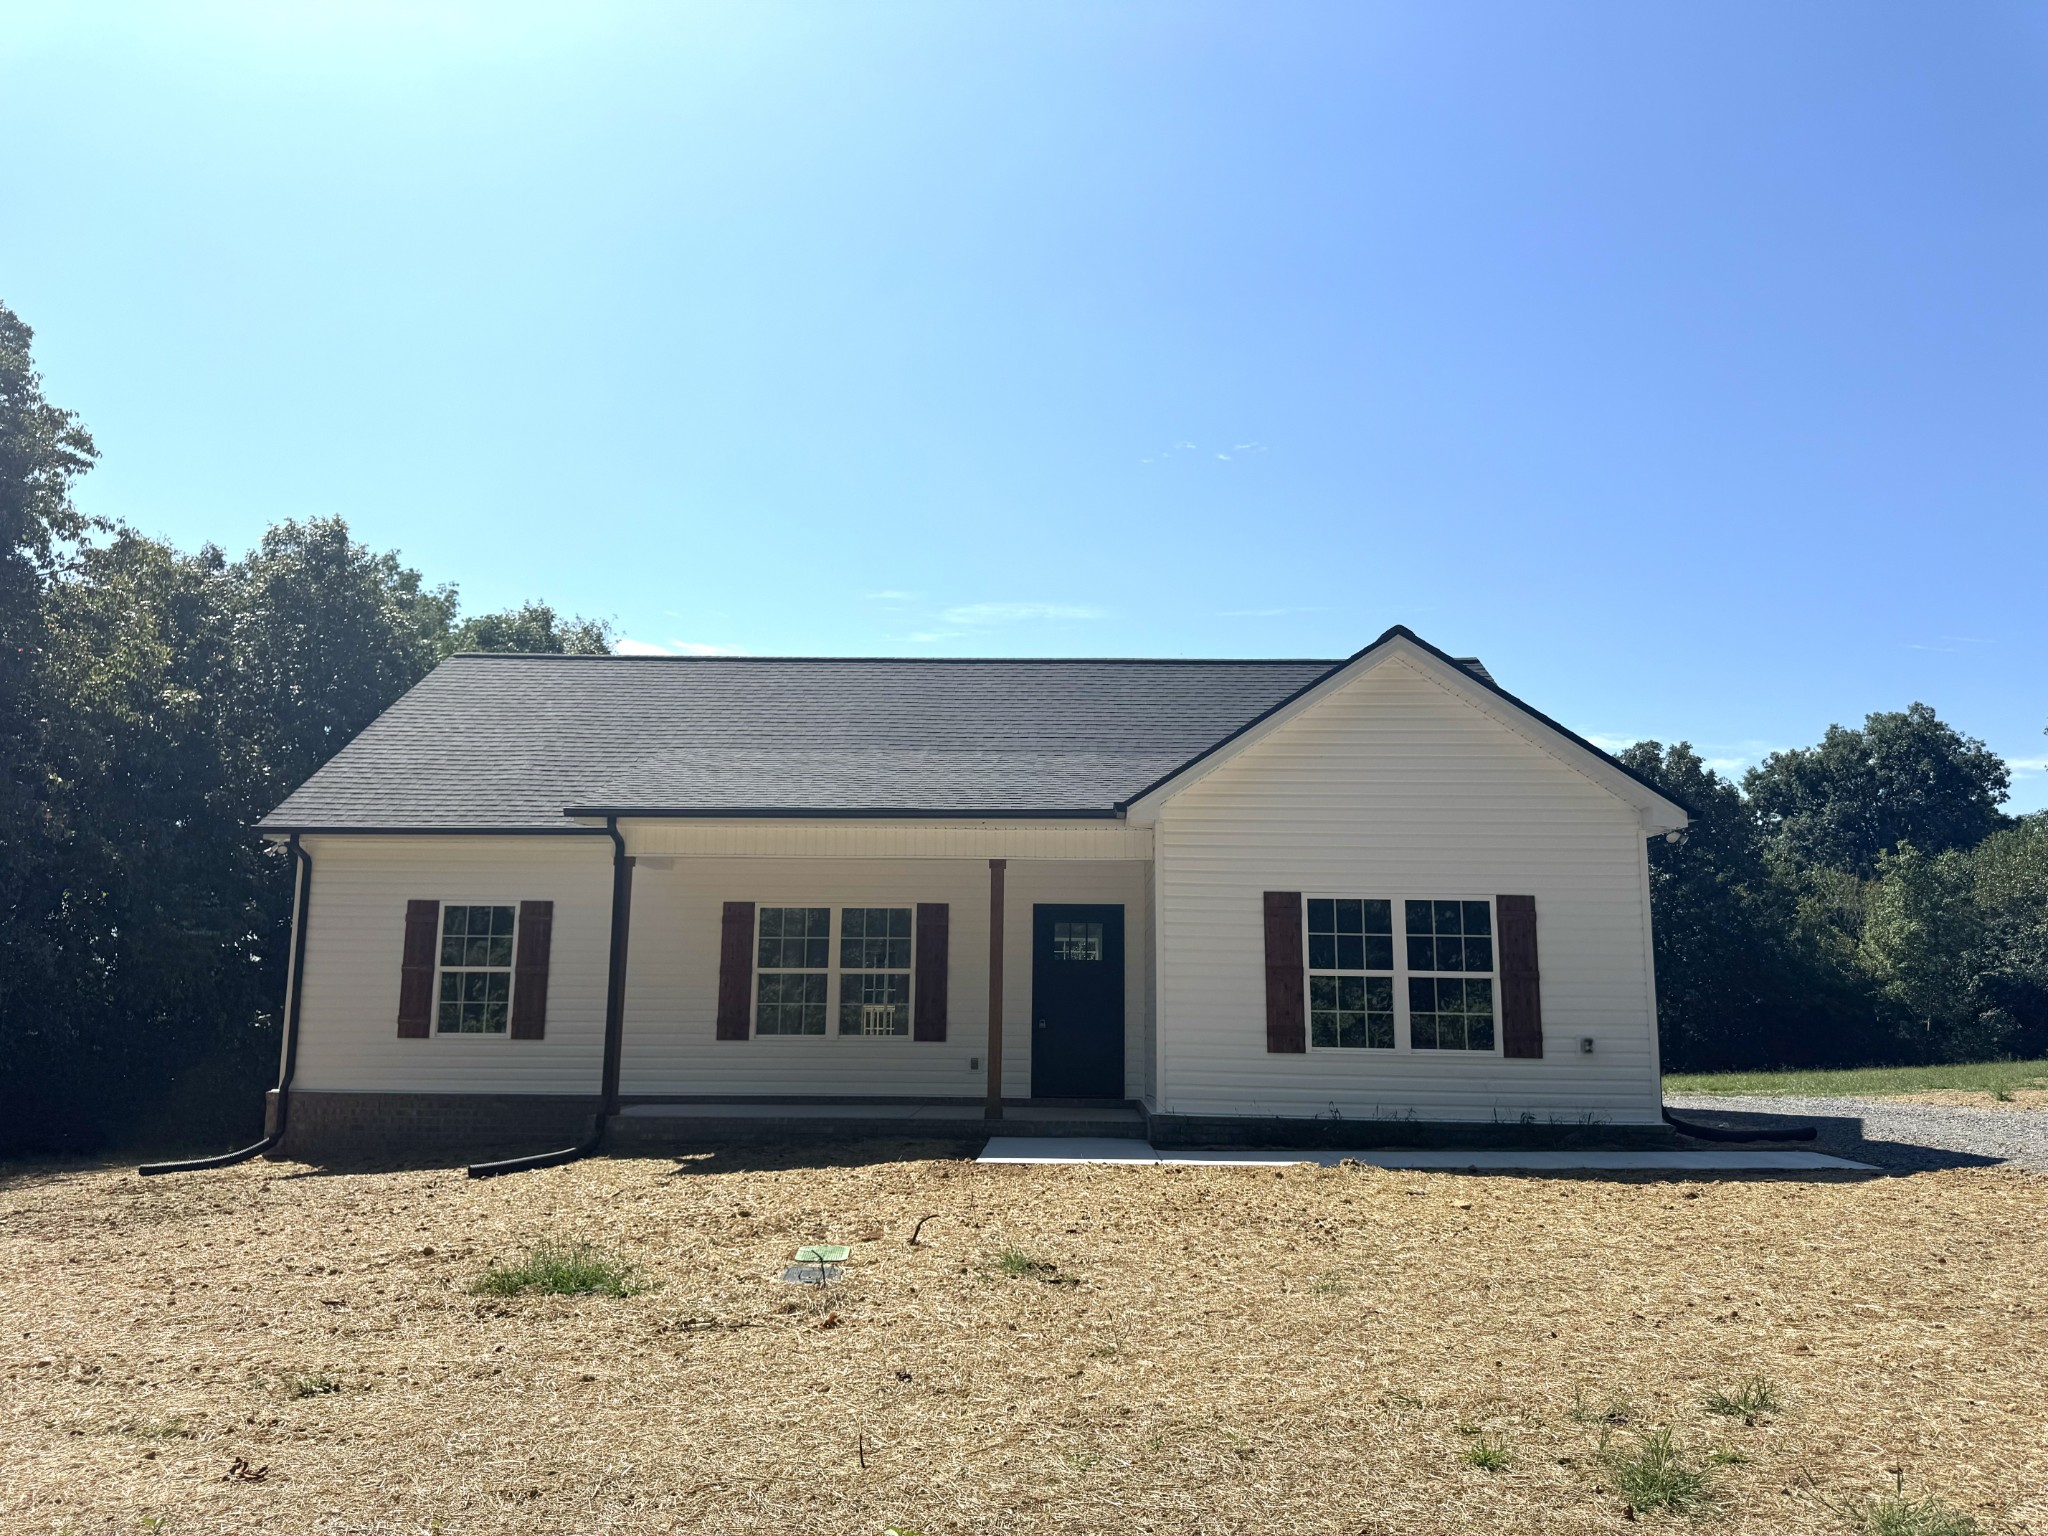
(1461, 676)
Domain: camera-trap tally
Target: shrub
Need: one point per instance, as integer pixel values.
(558, 1269)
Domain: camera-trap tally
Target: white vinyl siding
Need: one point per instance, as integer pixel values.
(671, 1049)
(1393, 785)
(355, 942)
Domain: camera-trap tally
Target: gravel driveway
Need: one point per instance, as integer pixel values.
(1887, 1132)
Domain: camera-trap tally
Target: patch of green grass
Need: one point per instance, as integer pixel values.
(1893, 1514)
(1654, 1474)
(1998, 1078)
(1016, 1264)
(1487, 1455)
(1752, 1398)
(314, 1384)
(560, 1269)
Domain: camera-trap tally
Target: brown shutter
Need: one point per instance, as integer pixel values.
(530, 970)
(1286, 1023)
(929, 1014)
(735, 969)
(416, 971)
(1521, 990)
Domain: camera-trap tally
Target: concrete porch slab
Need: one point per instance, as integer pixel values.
(1111, 1149)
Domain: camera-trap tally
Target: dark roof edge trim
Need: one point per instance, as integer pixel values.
(269, 829)
(847, 813)
(921, 661)
(1403, 632)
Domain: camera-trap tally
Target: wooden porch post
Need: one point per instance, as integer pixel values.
(995, 988)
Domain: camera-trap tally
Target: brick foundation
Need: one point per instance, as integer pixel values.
(371, 1124)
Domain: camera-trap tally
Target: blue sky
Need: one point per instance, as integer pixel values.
(1689, 364)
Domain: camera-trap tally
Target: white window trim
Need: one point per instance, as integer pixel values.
(1403, 1041)
(435, 1031)
(833, 971)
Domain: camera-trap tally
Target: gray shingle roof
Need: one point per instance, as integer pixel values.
(512, 741)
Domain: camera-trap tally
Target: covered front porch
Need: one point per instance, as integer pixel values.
(885, 976)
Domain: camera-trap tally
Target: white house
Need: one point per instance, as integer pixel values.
(1378, 897)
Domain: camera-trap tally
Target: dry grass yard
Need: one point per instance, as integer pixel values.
(283, 1349)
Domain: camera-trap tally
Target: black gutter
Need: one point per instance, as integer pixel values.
(270, 830)
(295, 992)
(614, 1027)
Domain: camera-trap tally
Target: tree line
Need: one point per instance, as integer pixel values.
(1862, 900)
(153, 704)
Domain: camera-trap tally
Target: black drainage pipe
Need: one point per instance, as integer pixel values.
(1701, 1132)
(295, 991)
(614, 1028)
(553, 1159)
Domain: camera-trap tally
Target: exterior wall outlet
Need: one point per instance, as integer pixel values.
(974, 1062)
(1585, 1045)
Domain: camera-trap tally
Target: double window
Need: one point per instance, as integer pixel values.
(475, 987)
(802, 966)
(1430, 986)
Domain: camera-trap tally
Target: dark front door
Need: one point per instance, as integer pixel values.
(1077, 1002)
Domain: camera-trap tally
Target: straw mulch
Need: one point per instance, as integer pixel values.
(1213, 1351)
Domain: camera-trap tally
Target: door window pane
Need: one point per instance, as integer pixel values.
(1076, 941)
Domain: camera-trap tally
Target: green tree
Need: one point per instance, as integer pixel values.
(532, 626)
(328, 634)
(1735, 985)
(2009, 981)
(1920, 936)
(1905, 776)
(43, 450)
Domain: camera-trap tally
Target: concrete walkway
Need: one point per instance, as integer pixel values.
(1109, 1149)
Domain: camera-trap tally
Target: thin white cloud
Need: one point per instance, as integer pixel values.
(890, 597)
(979, 614)
(931, 636)
(1175, 450)
(700, 648)
(1729, 759)
(2027, 767)
(625, 646)
(1611, 743)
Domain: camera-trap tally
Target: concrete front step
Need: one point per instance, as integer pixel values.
(660, 1125)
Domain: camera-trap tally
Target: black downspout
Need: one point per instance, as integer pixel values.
(1702, 1132)
(614, 1027)
(279, 1098)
